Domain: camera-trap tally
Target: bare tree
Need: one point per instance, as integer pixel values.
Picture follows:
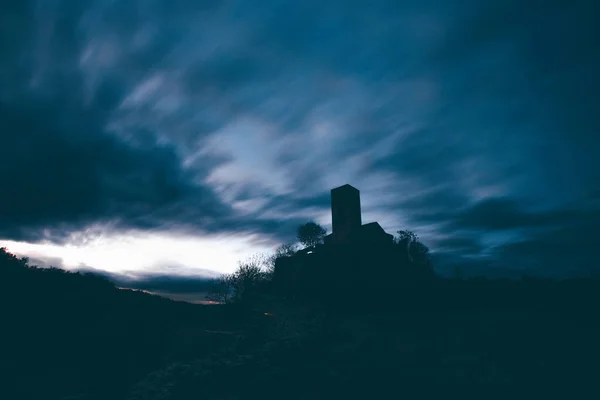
(221, 290)
(284, 250)
(245, 282)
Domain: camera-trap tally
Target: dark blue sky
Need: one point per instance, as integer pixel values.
(473, 123)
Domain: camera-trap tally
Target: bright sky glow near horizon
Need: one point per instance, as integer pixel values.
(180, 137)
(143, 252)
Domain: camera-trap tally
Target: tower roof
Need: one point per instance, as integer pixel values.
(345, 187)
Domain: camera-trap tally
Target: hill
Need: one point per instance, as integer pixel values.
(71, 334)
(74, 336)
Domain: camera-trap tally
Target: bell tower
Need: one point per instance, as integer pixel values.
(345, 210)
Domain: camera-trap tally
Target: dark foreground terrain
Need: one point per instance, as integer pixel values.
(72, 336)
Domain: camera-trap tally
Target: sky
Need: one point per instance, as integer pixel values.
(150, 139)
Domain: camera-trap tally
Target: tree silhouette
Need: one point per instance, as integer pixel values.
(247, 282)
(284, 250)
(417, 252)
(310, 234)
(405, 237)
(248, 279)
(221, 290)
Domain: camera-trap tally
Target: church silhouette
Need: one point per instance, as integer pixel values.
(347, 220)
(347, 259)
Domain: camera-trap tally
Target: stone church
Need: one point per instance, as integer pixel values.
(347, 220)
(337, 262)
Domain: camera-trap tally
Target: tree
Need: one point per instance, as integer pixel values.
(248, 281)
(405, 237)
(310, 234)
(220, 290)
(284, 250)
(417, 252)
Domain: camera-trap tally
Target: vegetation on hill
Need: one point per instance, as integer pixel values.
(321, 270)
(76, 336)
(72, 334)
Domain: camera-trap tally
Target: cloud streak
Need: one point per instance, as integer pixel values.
(473, 124)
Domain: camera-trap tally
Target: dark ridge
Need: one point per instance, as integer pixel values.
(76, 336)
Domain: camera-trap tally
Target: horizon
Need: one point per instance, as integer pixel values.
(145, 140)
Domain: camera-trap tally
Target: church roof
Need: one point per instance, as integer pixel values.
(346, 186)
(372, 230)
(372, 227)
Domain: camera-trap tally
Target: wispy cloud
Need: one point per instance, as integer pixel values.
(472, 123)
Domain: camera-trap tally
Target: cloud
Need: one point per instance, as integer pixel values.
(459, 244)
(498, 235)
(472, 123)
(566, 249)
(63, 172)
(158, 282)
(495, 214)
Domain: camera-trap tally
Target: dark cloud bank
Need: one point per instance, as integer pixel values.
(485, 114)
(185, 285)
